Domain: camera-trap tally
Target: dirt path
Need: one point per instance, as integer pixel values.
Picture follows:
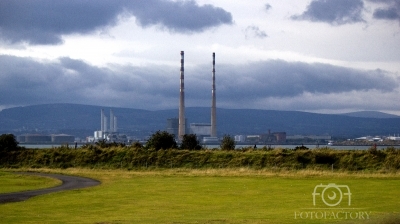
(68, 183)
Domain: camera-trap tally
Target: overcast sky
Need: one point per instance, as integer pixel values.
(324, 56)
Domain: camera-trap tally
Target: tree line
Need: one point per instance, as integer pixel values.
(157, 141)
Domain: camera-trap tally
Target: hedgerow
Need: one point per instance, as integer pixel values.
(137, 157)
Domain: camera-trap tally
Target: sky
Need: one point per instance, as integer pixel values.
(322, 56)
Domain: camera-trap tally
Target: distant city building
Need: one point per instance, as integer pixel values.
(370, 139)
(253, 138)
(90, 139)
(45, 139)
(394, 138)
(200, 129)
(312, 137)
(240, 138)
(98, 136)
(210, 140)
(275, 137)
(117, 138)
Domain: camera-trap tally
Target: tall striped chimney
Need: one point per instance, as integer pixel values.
(182, 125)
(213, 103)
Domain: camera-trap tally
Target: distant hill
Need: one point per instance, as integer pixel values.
(371, 114)
(83, 120)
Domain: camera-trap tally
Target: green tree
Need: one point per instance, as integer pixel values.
(227, 143)
(161, 140)
(8, 142)
(190, 142)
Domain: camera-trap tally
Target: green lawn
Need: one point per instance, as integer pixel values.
(215, 196)
(11, 182)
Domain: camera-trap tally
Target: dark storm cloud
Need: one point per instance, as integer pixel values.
(391, 11)
(278, 78)
(334, 12)
(180, 16)
(45, 21)
(390, 14)
(25, 81)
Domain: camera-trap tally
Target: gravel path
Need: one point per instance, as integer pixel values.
(68, 183)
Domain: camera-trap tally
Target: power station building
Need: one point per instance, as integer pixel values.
(200, 129)
(173, 126)
(108, 129)
(46, 139)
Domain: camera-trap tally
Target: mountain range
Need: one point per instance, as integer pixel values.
(83, 120)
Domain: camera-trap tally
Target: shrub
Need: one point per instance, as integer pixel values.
(373, 149)
(161, 140)
(190, 142)
(228, 143)
(302, 147)
(8, 142)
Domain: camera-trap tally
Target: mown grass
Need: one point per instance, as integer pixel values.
(240, 195)
(12, 182)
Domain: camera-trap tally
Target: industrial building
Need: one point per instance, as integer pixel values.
(200, 129)
(62, 138)
(45, 139)
(108, 132)
(275, 137)
(240, 138)
(210, 140)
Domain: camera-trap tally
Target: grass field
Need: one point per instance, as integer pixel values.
(207, 196)
(11, 182)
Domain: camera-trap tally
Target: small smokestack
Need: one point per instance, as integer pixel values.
(105, 124)
(213, 103)
(111, 121)
(115, 124)
(102, 121)
(182, 125)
